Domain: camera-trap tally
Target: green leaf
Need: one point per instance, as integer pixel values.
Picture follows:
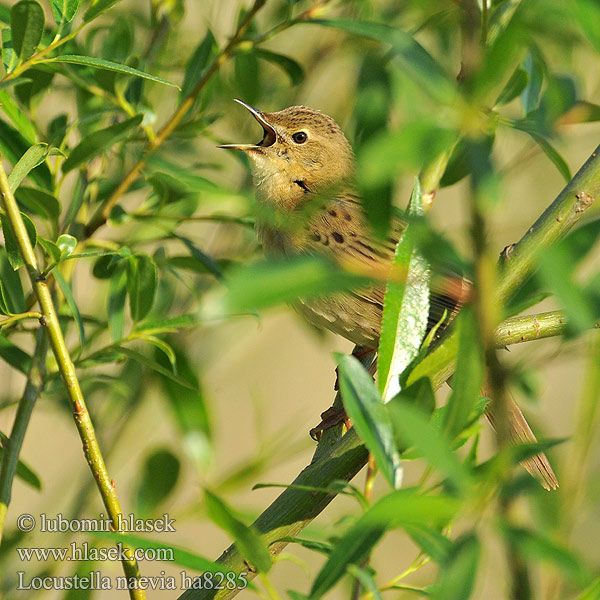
(181, 557)
(587, 13)
(14, 356)
(514, 87)
(406, 308)
(457, 580)
(38, 202)
(12, 290)
(31, 159)
(251, 546)
(208, 262)
(468, 378)
(196, 65)
(289, 65)
(559, 162)
(437, 546)
(159, 477)
(396, 509)
(535, 67)
(415, 60)
(439, 360)
(117, 294)
(592, 592)
(141, 285)
(107, 65)
(66, 244)
(64, 11)
(556, 271)
(190, 409)
(50, 248)
(24, 472)
(537, 547)
(18, 117)
(369, 416)
(97, 8)
(65, 288)
(413, 429)
(149, 363)
(10, 241)
(272, 281)
(26, 25)
(98, 142)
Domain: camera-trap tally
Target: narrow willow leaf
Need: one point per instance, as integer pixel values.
(413, 429)
(538, 547)
(457, 580)
(51, 249)
(468, 378)
(10, 242)
(12, 289)
(535, 68)
(181, 557)
(559, 162)
(271, 281)
(17, 117)
(159, 477)
(369, 416)
(592, 592)
(26, 25)
(406, 308)
(413, 57)
(31, 159)
(141, 285)
(24, 471)
(438, 362)
(251, 546)
(38, 202)
(97, 8)
(436, 545)
(107, 65)
(396, 509)
(14, 356)
(147, 362)
(117, 293)
(64, 11)
(65, 288)
(98, 142)
(197, 63)
(289, 65)
(514, 87)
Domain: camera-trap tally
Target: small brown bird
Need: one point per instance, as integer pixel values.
(305, 164)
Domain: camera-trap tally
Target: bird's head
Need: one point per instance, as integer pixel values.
(302, 151)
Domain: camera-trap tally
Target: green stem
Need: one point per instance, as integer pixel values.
(12, 446)
(66, 368)
(19, 317)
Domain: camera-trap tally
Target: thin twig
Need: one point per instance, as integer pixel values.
(66, 368)
(12, 446)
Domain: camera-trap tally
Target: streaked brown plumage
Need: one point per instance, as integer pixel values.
(305, 165)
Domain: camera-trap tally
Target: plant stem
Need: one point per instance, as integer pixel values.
(12, 446)
(103, 213)
(19, 317)
(342, 457)
(66, 368)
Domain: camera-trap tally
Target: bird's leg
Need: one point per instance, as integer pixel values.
(334, 414)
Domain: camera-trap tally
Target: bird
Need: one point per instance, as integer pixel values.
(303, 171)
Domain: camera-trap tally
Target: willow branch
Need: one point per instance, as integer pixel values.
(11, 447)
(66, 368)
(342, 457)
(103, 213)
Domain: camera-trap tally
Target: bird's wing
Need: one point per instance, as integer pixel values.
(340, 231)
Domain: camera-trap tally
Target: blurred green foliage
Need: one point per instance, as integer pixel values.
(109, 122)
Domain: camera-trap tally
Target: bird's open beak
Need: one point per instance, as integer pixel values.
(269, 137)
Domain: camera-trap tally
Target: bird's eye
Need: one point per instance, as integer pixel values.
(300, 137)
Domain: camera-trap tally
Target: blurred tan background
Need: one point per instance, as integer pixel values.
(269, 379)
